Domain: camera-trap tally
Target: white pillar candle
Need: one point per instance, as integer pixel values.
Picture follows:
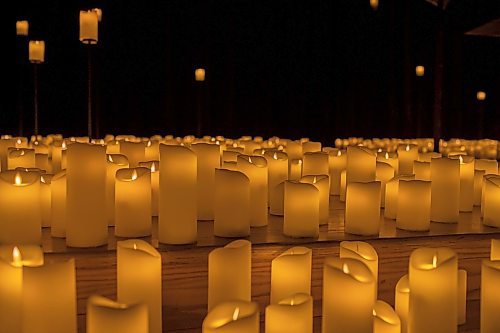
(311, 146)
(466, 183)
(154, 168)
(433, 297)
(337, 163)
(343, 185)
(295, 169)
(445, 187)
(114, 162)
(232, 204)
(113, 147)
(348, 289)
(208, 160)
(315, 163)
(361, 164)
(414, 205)
(20, 158)
(178, 195)
(482, 167)
(230, 156)
(363, 252)
(42, 162)
(88, 27)
(49, 297)
(105, 315)
(22, 28)
(20, 209)
(152, 150)
(462, 296)
(385, 319)
(229, 273)
(133, 202)
(402, 301)
(58, 204)
(255, 168)
(495, 249)
(277, 166)
(407, 154)
(57, 149)
(422, 170)
(491, 205)
(293, 314)
(140, 285)
(301, 217)
(135, 152)
(86, 224)
(5, 144)
(427, 157)
(233, 316)
(46, 199)
(389, 158)
(362, 213)
(322, 183)
(391, 195)
(384, 173)
(490, 302)
(291, 273)
(478, 186)
(495, 179)
(36, 49)
(294, 150)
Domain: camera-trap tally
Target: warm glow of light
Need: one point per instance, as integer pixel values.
(280, 148)
(17, 179)
(21, 153)
(345, 269)
(249, 159)
(235, 145)
(22, 28)
(98, 11)
(148, 144)
(339, 153)
(314, 180)
(374, 4)
(134, 175)
(481, 95)
(374, 313)
(16, 257)
(18, 141)
(217, 142)
(63, 145)
(420, 70)
(236, 313)
(42, 179)
(407, 148)
(461, 159)
(434, 261)
(275, 156)
(199, 74)
(300, 162)
(110, 158)
(292, 302)
(386, 156)
(135, 246)
(153, 167)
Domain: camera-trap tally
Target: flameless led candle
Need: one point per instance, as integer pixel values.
(208, 160)
(140, 285)
(105, 316)
(337, 163)
(311, 146)
(362, 212)
(22, 28)
(385, 319)
(277, 166)
(49, 298)
(199, 74)
(348, 289)
(414, 205)
(42, 162)
(113, 147)
(293, 314)
(487, 179)
(391, 159)
(384, 173)
(363, 252)
(86, 224)
(20, 158)
(482, 167)
(154, 168)
(178, 195)
(294, 150)
(343, 185)
(152, 151)
(402, 301)
(234, 316)
(361, 164)
(232, 204)
(491, 202)
(391, 195)
(229, 273)
(445, 188)
(89, 22)
(46, 199)
(20, 209)
(255, 168)
(135, 152)
(58, 204)
(422, 170)
(466, 183)
(114, 162)
(315, 163)
(301, 215)
(490, 302)
(133, 202)
(5, 144)
(295, 170)
(322, 183)
(407, 154)
(433, 298)
(462, 296)
(36, 50)
(495, 249)
(291, 273)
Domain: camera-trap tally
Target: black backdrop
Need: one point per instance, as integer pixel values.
(291, 68)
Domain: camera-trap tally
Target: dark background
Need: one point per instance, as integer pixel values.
(322, 69)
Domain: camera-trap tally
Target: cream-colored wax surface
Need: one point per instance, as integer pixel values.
(255, 168)
(302, 208)
(208, 160)
(232, 316)
(293, 314)
(362, 213)
(490, 302)
(363, 252)
(414, 205)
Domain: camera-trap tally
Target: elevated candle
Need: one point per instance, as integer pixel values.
(89, 22)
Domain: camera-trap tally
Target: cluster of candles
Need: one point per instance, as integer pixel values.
(79, 187)
(430, 298)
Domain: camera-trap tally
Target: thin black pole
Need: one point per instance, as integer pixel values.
(89, 96)
(35, 100)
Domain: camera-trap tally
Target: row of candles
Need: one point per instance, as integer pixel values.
(234, 183)
(430, 298)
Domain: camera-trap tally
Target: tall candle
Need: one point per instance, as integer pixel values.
(414, 205)
(42, 162)
(385, 319)
(229, 273)
(322, 183)
(57, 149)
(232, 204)
(348, 289)
(234, 316)
(490, 302)
(402, 301)
(363, 252)
(362, 213)
(389, 158)
(482, 167)
(113, 147)
(114, 162)
(295, 169)
(487, 179)
(105, 315)
(58, 204)
(36, 49)
(178, 195)
(88, 27)
(86, 224)
(294, 150)
(361, 164)
(495, 249)
(133, 202)
(152, 150)
(462, 296)
(154, 168)
(445, 187)
(491, 210)
(49, 297)
(293, 314)
(22, 28)
(422, 170)
(140, 285)
(466, 183)
(384, 173)
(433, 284)
(20, 157)
(277, 164)
(391, 195)
(407, 154)
(135, 152)
(46, 199)
(208, 160)
(338, 163)
(5, 144)
(315, 163)
(343, 185)
(20, 209)
(255, 168)
(301, 217)
(291, 273)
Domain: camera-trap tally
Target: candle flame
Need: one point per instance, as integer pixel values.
(42, 179)
(407, 148)
(217, 142)
(16, 256)
(153, 167)
(236, 313)
(134, 174)
(345, 268)
(314, 180)
(135, 246)
(374, 313)
(434, 261)
(300, 161)
(36, 143)
(110, 158)
(461, 159)
(379, 150)
(280, 147)
(17, 179)
(275, 156)
(18, 141)
(235, 145)
(339, 153)
(292, 302)
(63, 146)
(249, 159)
(386, 156)
(148, 144)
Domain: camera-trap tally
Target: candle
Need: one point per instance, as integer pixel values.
(42, 162)
(478, 186)
(482, 167)
(385, 319)
(490, 302)
(301, 214)
(36, 49)
(462, 296)
(58, 204)
(420, 70)
(466, 183)
(389, 158)
(178, 190)
(422, 170)
(391, 195)
(133, 202)
(208, 160)
(433, 284)
(86, 224)
(403, 301)
(407, 154)
(363, 252)
(105, 315)
(234, 316)
(49, 297)
(152, 150)
(154, 168)
(89, 22)
(384, 173)
(445, 188)
(337, 164)
(232, 204)
(361, 164)
(255, 168)
(5, 144)
(348, 289)
(293, 314)
(20, 209)
(294, 150)
(291, 273)
(295, 170)
(22, 28)
(310, 146)
(495, 249)
(199, 74)
(315, 163)
(135, 152)
(277, 166)
(413, 205)
(229, 273)
(362, 212)
(114, 162)
(46, 199)
(113, 147)
(140, 285)
(491, 193)
(322, 183)
(343, 185)
(230, 156)
(20, 158)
